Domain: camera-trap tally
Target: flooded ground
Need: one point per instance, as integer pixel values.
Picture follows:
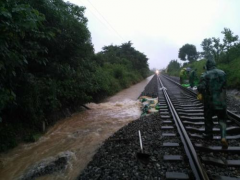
(77, 137)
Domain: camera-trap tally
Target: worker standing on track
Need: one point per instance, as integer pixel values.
(212, 87)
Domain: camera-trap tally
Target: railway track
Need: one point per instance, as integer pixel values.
(173, 140)
(181, 111)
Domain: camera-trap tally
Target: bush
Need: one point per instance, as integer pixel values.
(233, 73)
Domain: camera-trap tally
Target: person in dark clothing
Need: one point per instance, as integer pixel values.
(212, 87)
(193, 78)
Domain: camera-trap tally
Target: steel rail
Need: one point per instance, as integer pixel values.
(235, 117)
(195, 163)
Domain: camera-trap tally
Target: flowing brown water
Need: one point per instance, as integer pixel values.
(78, 136)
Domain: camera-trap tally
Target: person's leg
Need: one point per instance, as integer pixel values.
(208, 121)
(191, 83)
(222, 118)
(195, 82)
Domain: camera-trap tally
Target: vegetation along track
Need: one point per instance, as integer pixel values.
(217, 162)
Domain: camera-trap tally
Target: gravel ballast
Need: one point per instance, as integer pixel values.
(117, 159)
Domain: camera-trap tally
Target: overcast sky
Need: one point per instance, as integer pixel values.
(159, 28)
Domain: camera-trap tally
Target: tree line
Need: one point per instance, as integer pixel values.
(47, 63)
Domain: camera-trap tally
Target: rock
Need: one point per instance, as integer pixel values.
(48, 166)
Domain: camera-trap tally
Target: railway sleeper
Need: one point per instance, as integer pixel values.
(230, 130)
(221, 162)
(215, 137)
(177, 175)
(205, 148)
(202, 123)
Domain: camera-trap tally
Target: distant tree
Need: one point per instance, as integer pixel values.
(173, 67)
(153, 70)
(217, 48)
(229, 39)
(125, 55)
(230, 43)
(188, 52)
(207, 48)
(212, 48)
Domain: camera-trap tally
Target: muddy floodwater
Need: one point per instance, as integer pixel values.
(78, 137)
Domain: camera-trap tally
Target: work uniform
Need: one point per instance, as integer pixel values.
(183, 75)
(212, 86)
(193, 78)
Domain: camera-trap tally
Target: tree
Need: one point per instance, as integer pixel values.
(47, 64)
(126, 55)
(229, 39)
(188, 52)
(45, 51)
(230, 43)
(212, 47)
(21, 34)
(207, 48)
(173, 67)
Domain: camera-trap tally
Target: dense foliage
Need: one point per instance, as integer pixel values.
(119, 67)
(47, 64)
